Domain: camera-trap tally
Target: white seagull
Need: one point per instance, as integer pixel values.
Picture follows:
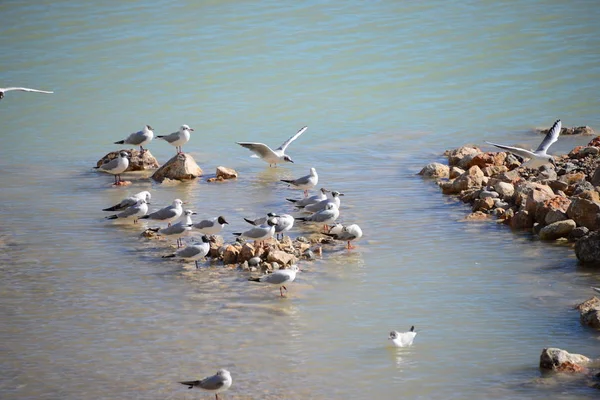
(211, 226)
(347, 234)
(326, 216)
(305, 182)
(179, 138)
(167, 214)
(216, 384)
(21, 89)
(335, 198)
(178, 230)
(261, 220)
(538, 157)
(139, 209)
(285, 222)
(403, 339)
(129, 201)
(139, 138)
(260, 233)
(596, 289)
(322, 195)
(116, 166)
(276, 156)
(193, 252)
(279, 277)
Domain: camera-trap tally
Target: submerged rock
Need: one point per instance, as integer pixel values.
(590, 312)
(226, 173)
(181, 167)
(558, 360)
(435, 170)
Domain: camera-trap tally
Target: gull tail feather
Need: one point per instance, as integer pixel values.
(170, 256)
(249, 221)
(254, 279)
(111, 217)
(120, 142)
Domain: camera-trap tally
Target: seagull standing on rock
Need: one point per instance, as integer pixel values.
(273, 157)
(116, 166)
(305, 183)
(216, 384)
(139, 138)
(260, 233)
(179, 138)
(178, 230)
(21, 89)
(538, 157)
(211, 226)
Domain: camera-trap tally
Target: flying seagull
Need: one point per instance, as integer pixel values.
(538, 157)
(22, 89)
(269, 155)
(217, 383)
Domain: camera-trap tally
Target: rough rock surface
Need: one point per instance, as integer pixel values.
(226, 173)
(557, 230)
(587, 249)
(137, 161)
(435, 170)
(181, 167)
(590, 312)
(562, 361)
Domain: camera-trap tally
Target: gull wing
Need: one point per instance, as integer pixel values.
(515, 150)
(277, 278)
(165, 213)
(290, 140)
(171, 137)
(129, 211)
(109, 166)
(189, 251)
(24, 89)
(206, 223)
(260, 149)
(212, 382)
(321, 216)
(136, 138)
(551, 137)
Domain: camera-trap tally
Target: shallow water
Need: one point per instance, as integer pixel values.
(89, 308)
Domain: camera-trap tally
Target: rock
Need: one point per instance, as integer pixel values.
(521, 220)
(505, 190)
(557, 185)
(591, 195)
(575, 130)
(590, 312)
(226, 173)
(281, 257)
(558, 229)
(484, 204)
(435, 170)
(511, 177)
(531, 193)
(455, 172)
(553, 216)
(493, 170)
(501, 204)
(589, 151)
(573, 177)
(180, 167)
(246, 252)
(488, 193)
(457, 155)
(254, 261)
(562, 361)
(137, 161)
(483, 160)
(469, 195)
(578, 233)
(309, 255)
(596, 177)
(512, 162)
(231, 253)
(149, 234)
(587, 249)
(584, 186)
(477, 216)
(585, 213)
(557, 203)
(471, 178)
(547, 173)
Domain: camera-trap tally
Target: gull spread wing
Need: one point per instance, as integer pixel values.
(24, 89)
(290, 140)
(515, 150)
(261, 149)
(551, 137)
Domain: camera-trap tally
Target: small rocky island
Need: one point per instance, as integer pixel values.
(559, 203)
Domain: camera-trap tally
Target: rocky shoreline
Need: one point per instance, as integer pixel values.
(560, 203)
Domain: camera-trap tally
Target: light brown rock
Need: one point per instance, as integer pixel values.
(585, 213)
(226, 173)
(470, 179)
(477, 216)
(281, 257)
(562, 361)
(181, 167)
(231, 254)
(505, 190)
(455, 172)
(590, 312)
(137, 161)
(484, 204)
(521, 220)
(246, 253)
(455, 156)
(558, 229)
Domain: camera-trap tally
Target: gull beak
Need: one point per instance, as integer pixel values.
(191, 129)
(194, 213)
(185, 202)
(341, 194)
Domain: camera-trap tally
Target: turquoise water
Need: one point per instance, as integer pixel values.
(91, 309)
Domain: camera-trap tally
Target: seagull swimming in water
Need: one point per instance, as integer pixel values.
(139, 138)
(538, 157)
(403, 339)
(305, 182)
(21, 89)
(216, 384)
(269, 155)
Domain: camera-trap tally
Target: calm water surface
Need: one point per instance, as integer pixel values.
(91, 311)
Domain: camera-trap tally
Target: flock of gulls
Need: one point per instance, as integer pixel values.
(321, 210)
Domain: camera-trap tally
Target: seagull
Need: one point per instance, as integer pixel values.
(179, 138)
(211, 226)
(538, 157)
(22, 89)
(261, 220)
(335, 198)
(139, 138)
(167, 214)
(322, 195)
(276, 156)
(326, 216)
(596, 289)
(116, 166)
(260, 233)
(285, 222)
(403, 339)
(279, 277)
(193, 252)
(347, 234)
(306, 182)
(129, 201)
(178, 230)
(140, 208)
(216, 384)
